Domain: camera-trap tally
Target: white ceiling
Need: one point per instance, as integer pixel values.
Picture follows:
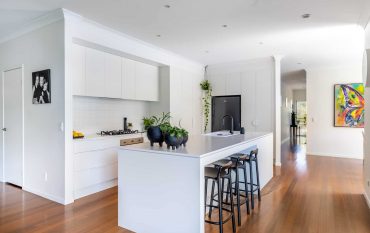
(192, 27)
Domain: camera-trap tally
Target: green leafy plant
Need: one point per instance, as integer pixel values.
(156, 120)
(148, 121)
(207, 88)
(165, 127)
(175, 132)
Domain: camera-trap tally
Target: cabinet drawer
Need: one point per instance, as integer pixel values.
(95, 159)
(92, 145)
(90, 177)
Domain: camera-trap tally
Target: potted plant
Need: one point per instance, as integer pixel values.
(207, 88)
(185, 136)
(152, 125)
(173, 137)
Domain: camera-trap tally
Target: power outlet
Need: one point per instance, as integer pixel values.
(46, 176)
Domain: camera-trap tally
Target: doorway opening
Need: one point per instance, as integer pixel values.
(294, 107)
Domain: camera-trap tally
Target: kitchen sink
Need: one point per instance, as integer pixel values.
(222, 134)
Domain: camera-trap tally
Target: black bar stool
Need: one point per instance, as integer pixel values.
(219, 174)
(240, 163)
(252, 158)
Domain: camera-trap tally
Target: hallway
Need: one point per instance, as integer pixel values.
(310, 194)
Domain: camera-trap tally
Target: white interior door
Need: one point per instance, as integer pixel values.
(13, 126)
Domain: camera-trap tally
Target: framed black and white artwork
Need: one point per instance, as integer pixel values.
(41, 93)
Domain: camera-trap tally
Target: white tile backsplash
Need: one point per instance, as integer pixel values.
(92, 115)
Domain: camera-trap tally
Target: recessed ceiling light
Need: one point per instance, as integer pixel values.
(224, 26)
(167, 6)
(158, 35)
(306, 16)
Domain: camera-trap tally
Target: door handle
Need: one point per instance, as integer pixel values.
(3, 129)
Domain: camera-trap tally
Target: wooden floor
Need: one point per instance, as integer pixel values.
(309, 194)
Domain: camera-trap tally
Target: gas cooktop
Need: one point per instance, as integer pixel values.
(118, 132)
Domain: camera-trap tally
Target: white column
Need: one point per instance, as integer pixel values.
(277, 110)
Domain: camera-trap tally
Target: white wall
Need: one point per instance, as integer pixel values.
(92, 115)
(43, 139)
(299, 95)
(322, 137)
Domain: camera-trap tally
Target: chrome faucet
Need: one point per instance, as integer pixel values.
(232, 123)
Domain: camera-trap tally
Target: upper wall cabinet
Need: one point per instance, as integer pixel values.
(128, 79)
(95, 61)
(99, 74)
(113, 76)
(78, 69)
(146, 77)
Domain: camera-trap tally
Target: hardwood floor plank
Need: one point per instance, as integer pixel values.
(309, 194)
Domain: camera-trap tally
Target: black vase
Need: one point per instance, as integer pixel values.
(172, 141)
(185, 140)
(155, 135)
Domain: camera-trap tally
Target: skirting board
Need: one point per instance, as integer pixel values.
(95, 188)
(367, 199)
(45, 195)
(335, 155)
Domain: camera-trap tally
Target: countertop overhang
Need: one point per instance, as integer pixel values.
(199, 146)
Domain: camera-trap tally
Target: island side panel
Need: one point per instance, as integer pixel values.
(265, 158)
(160, 193)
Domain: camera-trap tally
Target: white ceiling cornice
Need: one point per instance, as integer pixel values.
(34, 24)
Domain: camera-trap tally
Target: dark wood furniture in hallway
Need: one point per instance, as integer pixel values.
(309, 194)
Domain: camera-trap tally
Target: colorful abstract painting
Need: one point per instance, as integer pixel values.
(349, 105)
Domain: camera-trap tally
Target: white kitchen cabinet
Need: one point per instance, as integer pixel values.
(248, 100)
(78, 69)
(113, 76)
(128, 79)
(100, 74)
(147, 82)
(95, 163)
(233, 86)
(264, 109)
(218, 83)
(95, 61)
(186, 100)
(257, 96)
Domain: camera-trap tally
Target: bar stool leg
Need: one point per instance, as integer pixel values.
(258, 180)
(231, 204)
(246, 189)
(212, 196)
(251, 184)
(205, 194)
(237, 191)
(220, 204)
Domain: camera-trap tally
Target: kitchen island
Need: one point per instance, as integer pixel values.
(162, 190)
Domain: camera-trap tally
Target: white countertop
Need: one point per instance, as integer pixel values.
(199, 145)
